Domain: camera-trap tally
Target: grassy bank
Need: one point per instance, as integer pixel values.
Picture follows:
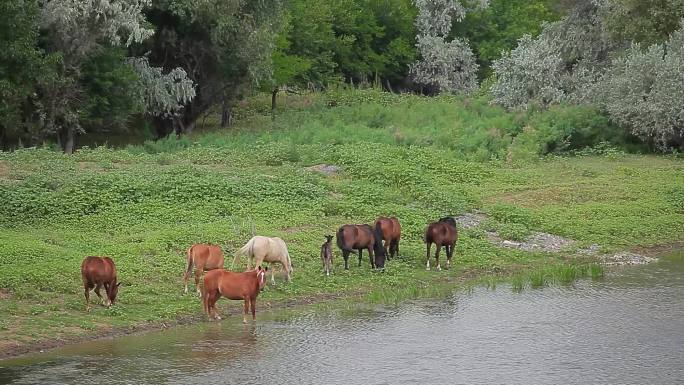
(413, 157)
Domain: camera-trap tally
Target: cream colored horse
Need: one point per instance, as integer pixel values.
(265, 249)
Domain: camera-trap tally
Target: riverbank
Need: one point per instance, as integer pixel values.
(144, 205)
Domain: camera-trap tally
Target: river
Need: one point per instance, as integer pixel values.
(627, 328)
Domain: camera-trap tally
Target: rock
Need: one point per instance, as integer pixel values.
(326, 169)
(627, 258)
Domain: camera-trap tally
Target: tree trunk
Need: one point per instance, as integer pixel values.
(226, 116)
(274, 94)
(68, 144)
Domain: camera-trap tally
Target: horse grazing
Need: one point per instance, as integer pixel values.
(203, 257)
(359, 237)
(441, 233)
(326, 254)
(390, 229)
(232, 285)
(266, 249)
(97, 272)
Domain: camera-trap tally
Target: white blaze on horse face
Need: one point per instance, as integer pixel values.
(261, 275)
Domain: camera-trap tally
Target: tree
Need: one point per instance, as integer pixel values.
(22, 66)
(445, 65)
(223, 46)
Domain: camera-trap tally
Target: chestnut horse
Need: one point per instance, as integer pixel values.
(441, 233)
(232, 285)
(203, 257)
(97, 272)
(266, 249)
(326, 254)
(359, 237)
(391, 233)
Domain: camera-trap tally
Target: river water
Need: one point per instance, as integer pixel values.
(627, 328)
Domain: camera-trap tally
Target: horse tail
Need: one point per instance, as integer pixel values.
(339, 237)
(191, 262)
(246, 250)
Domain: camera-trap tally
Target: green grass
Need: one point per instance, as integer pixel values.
(413, 157)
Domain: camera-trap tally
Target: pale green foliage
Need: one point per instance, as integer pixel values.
(163, 94)
(644, 90)
(445, 65)
(80, 26)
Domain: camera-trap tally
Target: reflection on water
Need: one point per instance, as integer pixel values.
(627, 328)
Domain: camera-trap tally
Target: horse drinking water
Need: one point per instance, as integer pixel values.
(441, 233)
(203, 257)
(359, 237)
(326, 254)
(97, 272)
(235, 286)
(390, 229)
(266, 249)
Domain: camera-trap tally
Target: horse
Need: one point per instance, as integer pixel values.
(97, 272)
(326, 254)
(204, 257)
(233, 285)
(359, 237)
(266, 249)
(391, 233)
(441, 233)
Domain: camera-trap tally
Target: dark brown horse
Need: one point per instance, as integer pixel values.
(232, 285)
(203, 257)
(326, 254)
(391, 234)
(96, 273)
(441, 233)
(359, 237)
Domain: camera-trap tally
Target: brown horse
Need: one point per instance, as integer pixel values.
(359, 237)
(441, 233)
(326, 254)
(232, 285)
(391, 233)
(97, 272)
(204, 257)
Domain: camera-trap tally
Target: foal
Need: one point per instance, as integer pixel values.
(326, 254)
(232, 285)
(441, 233)
(97, 272)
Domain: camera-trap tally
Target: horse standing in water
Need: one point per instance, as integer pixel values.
(326, 254)
(359, 237)
(96, 273)
(441, 233)
(203, 257)
(235, 286)
(266, 249)
(390, 229)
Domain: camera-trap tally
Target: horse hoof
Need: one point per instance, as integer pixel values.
(427, 268)
(439, 268)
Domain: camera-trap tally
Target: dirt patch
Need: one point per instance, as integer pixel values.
(469, 220)
(538, 241)
(5, 294)
(327, 169)
(4, 169)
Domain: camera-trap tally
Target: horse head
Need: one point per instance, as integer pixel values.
(328, 238)
(113, 291)
(261, 277)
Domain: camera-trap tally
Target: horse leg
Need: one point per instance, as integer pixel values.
(345, 255)
(97, 291)
(212, 305)
(439, 247)
(198, 274)
(427, 265)
(360, 255)
(450, 254)
(252, 304)
(244, 314)
(186, 275)
(86, 291)
(388, 249)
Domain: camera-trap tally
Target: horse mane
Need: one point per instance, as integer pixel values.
(450, 220)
